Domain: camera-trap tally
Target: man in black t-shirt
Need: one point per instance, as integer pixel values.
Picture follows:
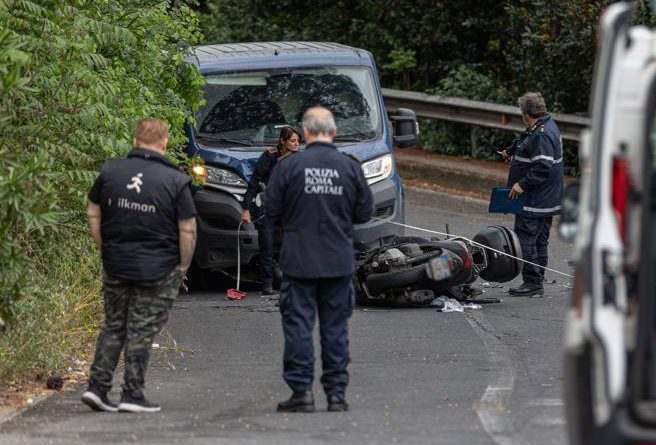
(143, 220)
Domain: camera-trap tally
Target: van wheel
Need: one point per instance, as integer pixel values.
(196, 278)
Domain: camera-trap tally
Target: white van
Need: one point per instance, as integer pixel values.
(610, 381)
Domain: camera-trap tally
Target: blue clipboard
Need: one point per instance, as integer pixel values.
(500, 202)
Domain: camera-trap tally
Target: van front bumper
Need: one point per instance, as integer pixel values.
(388, 206)
(219, 214)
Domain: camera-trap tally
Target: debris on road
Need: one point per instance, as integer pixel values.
(445, 304)
(486, 300)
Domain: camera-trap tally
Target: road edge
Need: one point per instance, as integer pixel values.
(12, 414)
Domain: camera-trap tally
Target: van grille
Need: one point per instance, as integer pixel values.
(221, 222)
(384, 210)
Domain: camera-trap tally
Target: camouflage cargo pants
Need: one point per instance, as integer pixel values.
(134, 315)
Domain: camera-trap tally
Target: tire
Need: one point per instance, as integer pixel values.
(196, 278)
(380, 282)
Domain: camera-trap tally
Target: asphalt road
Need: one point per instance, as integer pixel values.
(490, 376)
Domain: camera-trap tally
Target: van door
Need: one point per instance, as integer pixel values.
(600, 326)
(643, 369)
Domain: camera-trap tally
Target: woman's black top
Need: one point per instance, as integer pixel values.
(260, 176)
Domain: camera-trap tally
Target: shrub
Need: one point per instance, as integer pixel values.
(75, 76)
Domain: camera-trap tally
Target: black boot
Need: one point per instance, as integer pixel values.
(299, 402)
(337, 403)
(527, 290)
(267, 289)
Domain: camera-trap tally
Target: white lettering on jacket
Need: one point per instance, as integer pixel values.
(319, 181)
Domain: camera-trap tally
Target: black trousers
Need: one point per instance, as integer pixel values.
(533, 234)
(300, 300)
(265, 235)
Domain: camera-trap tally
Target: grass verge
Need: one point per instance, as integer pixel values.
(57, 321)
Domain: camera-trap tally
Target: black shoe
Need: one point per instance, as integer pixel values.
(267, 290)
(270, 294)
(527, 290)
(130, 404)
(98, 401)
(337, 403)
(299, 402)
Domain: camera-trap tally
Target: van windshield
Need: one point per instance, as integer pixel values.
(250, 108)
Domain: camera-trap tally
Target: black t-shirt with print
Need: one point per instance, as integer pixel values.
(141, 197)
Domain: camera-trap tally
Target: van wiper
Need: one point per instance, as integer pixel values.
(349, 138)
(209, 137)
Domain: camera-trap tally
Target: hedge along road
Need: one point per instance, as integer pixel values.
(417, 375)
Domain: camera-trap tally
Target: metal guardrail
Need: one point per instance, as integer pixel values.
(484, 114)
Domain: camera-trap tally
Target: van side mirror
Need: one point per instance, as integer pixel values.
(405, 128)
(569, 220)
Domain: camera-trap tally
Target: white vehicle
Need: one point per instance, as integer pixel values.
(610, 381)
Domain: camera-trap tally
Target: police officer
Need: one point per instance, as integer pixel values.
(319, 194)
(288, 143)
(142, 219)
(536, 171)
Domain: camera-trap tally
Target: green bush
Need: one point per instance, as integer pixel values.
(75, 76)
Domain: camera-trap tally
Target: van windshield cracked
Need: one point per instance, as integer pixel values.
(252, 106)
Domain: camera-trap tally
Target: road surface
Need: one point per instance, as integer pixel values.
(492, 376)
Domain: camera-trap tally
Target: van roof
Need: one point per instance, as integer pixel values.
(274, 54)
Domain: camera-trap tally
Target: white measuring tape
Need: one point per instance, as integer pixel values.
(448, 235)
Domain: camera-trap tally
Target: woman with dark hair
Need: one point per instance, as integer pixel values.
(288, 143)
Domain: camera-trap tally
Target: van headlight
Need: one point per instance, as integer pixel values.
(377, 169)
(221, 176)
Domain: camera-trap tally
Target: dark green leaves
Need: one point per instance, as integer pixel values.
(75, 76)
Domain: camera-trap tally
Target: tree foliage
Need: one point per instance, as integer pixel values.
(75, 76)
(487, 50)
(523, 45)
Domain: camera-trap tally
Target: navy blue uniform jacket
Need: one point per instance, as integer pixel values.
(537, 165)
(319, 194)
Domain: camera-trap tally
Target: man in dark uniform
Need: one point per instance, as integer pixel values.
(319, 194)
(142, 219)
(536, 170)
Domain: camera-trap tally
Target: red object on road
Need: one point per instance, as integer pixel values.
(235, 294)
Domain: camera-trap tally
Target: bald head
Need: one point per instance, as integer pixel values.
(318, 125)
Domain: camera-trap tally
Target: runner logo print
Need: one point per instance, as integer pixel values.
(137, 182)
